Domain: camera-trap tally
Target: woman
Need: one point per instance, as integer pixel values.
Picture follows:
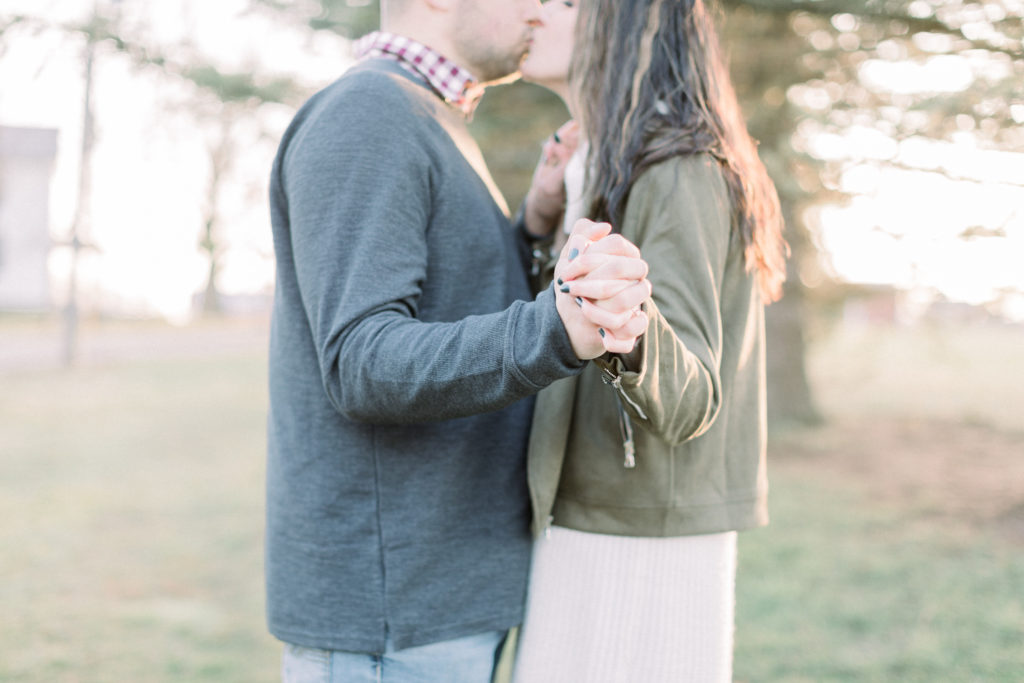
(644, 467)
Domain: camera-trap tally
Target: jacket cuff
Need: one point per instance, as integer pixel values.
(632, 367)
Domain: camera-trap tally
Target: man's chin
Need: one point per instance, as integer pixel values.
(505, 73)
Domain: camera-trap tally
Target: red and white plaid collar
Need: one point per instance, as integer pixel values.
(452, 83)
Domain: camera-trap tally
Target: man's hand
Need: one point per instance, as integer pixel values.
(601, 283)
(545, 201)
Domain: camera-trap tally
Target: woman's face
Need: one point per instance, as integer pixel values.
(548, 61)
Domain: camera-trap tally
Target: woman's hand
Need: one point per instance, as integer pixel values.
(545, 200)
(602, 283)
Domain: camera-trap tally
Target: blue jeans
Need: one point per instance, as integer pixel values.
(465, 660)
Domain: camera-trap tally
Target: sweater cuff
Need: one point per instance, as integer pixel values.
(540, 351)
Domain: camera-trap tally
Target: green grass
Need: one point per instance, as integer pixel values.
(131, 524)
(131, 518)
(836, 590)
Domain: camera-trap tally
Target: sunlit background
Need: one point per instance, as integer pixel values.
(135, 290)
(933, 218)
(150, 170)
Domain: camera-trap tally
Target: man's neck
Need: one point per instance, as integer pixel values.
(451, 82)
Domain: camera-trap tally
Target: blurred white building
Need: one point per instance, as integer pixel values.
(26, 164)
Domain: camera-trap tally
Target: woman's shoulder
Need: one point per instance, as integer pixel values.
(680, 184)
(683, 170)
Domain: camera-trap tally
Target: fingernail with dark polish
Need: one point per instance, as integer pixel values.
(600, 331)
(559, 281)
(579, 301)
(557, 138)
(573, 253)
(564, 288)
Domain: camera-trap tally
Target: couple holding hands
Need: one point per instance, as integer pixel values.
(556, 423)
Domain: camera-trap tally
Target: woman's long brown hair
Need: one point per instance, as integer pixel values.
(651, 84)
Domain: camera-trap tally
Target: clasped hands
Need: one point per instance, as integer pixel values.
(601, 279)
(601, 283)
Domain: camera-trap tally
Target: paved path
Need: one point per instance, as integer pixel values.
(33, 345)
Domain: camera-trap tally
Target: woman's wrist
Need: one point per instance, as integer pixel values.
(540, 221)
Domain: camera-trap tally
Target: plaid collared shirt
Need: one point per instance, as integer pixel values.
(452, 83)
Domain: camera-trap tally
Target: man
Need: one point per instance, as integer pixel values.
(404, 347)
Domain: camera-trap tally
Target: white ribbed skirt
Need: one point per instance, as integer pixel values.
(613, 608)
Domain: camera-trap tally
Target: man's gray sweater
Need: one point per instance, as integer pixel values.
(404, 347)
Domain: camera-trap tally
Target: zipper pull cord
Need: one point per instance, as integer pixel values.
(628, 446)
(625, 424)
(626, 430)
(616, 381)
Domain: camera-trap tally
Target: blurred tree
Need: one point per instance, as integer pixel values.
(348, 18)
(89, 35)
(222, 103)
(803, 69)
(216, 101)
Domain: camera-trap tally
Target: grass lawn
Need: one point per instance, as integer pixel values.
(131, 516)
(836, 589)
(131, 523)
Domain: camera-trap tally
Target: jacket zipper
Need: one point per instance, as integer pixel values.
(626, 430)
(625, 424)
(616, 381)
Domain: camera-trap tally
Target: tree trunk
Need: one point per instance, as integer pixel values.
(211, 297)
(221, 152)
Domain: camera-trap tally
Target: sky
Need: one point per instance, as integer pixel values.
(150, 169)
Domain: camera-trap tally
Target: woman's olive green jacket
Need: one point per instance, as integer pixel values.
(693, 411)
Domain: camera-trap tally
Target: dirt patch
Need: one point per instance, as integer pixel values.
(957, 472)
